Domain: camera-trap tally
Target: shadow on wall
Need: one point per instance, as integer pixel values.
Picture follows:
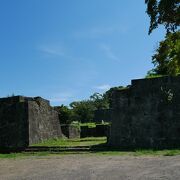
(26, 120)
(147, 114)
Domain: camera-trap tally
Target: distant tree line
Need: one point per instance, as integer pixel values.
(83, 111)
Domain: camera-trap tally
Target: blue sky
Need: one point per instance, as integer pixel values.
(65, 50)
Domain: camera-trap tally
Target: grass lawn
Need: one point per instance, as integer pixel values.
(90, 141)
(143, 152)
(91, 125)
(23, 155)
(174, 152)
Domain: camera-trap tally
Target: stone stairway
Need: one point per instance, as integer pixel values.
(58, 149)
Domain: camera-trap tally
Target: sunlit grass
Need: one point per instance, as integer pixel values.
(23, 155)
(137, 153)
(91, 125)
(73, 142)
(144, 152)
(98, 149)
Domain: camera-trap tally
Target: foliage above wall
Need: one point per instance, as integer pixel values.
(167, 56)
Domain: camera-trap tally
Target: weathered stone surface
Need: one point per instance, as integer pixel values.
(102, 115)
(70, 131)
(147, 114)
(25, 121)
(13, 122)
(99, 131)
(43, 121)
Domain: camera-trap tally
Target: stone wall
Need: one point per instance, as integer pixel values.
(25, 121)
(70, 131)
(147, 114)
(102, 115)
(13, 122)
(100, 130)
(43, 121)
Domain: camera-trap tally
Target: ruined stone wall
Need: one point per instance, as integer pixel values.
(25, 121)
(70, 131)
(147, 114)
(99, 131)
(102, 115)
(13, 122)
(43, 121)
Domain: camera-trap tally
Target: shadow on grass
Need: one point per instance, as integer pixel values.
(90, 139)
(11, 150)
(105, 149)
(100, 149)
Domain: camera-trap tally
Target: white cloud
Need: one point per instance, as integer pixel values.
(60, 97)
(103, 87)
(95, 32)
(109, 53)
(52, 50)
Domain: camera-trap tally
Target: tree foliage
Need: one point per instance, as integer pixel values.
(167, 57)
(100, 101)
(82, 111)
(163, 12)
(65, 114)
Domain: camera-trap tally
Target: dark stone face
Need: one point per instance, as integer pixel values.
(13, 122)
(147, 115)
(43, 121)
(98, 131)
(102, 115)
(70, 131)
(25, 121)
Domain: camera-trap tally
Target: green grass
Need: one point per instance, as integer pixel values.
(165, 152)
(137, 153)
(23, 155)
(90, 125)
(88, 142)
(154, 76)
(173, 152)
(73, 142)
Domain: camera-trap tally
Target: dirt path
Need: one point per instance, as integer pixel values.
(91, 167)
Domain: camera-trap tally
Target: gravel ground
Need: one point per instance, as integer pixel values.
(91, 167)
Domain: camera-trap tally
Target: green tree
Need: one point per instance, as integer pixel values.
(167, 57)
(108, 94)
(100, 101)
(163, 12)
(65, 114)
(82, 111)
